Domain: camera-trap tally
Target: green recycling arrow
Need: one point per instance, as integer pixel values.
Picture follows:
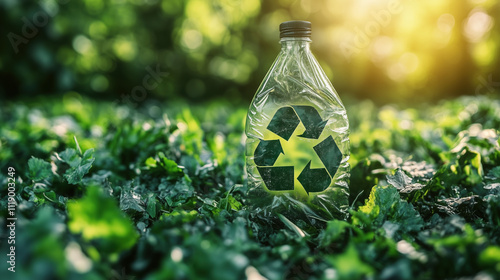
(311, 120)
(279, 178)
(330, 154)
(267, 152)
(314, 180)
(284, 122)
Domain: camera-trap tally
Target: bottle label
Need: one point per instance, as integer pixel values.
(296, 151)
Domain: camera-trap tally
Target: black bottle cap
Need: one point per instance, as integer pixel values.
(295, 28)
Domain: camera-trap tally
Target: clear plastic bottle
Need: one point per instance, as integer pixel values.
(297, 146)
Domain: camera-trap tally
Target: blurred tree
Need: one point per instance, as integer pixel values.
(127, 50)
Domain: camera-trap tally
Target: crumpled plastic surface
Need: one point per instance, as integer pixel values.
(297, 146)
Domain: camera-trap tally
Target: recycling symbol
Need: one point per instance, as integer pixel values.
(283, 124)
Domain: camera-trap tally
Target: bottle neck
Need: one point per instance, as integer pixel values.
(295, 43)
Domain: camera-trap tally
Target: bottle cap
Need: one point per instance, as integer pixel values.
(295, 28)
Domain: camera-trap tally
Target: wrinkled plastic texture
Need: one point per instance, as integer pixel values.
(297, 146)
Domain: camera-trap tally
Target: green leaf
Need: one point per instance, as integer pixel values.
(493, 209)
(71, 157)
(39, 169)
(130, 200)
(229, 202)
(150, 162)
(349, 264)
(79, 166)
(470, 163)
(490, 257)
(88, 155)
(170, 166)
(334, 230)
(399, 180)
(50, 195)
(97, 217)
(176, 193)
(151, 206)
(179, 217)
(495, 173)
(385, 204)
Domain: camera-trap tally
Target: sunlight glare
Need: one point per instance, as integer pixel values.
(477, 25)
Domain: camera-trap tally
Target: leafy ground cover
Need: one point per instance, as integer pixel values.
(110, 192)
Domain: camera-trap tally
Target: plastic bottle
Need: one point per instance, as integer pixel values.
(297, 131)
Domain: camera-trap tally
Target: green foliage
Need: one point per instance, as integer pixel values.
(79, 165)
(38, 169)
(104, 223)
(164, 197)
(384, 207)
(349, 265)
